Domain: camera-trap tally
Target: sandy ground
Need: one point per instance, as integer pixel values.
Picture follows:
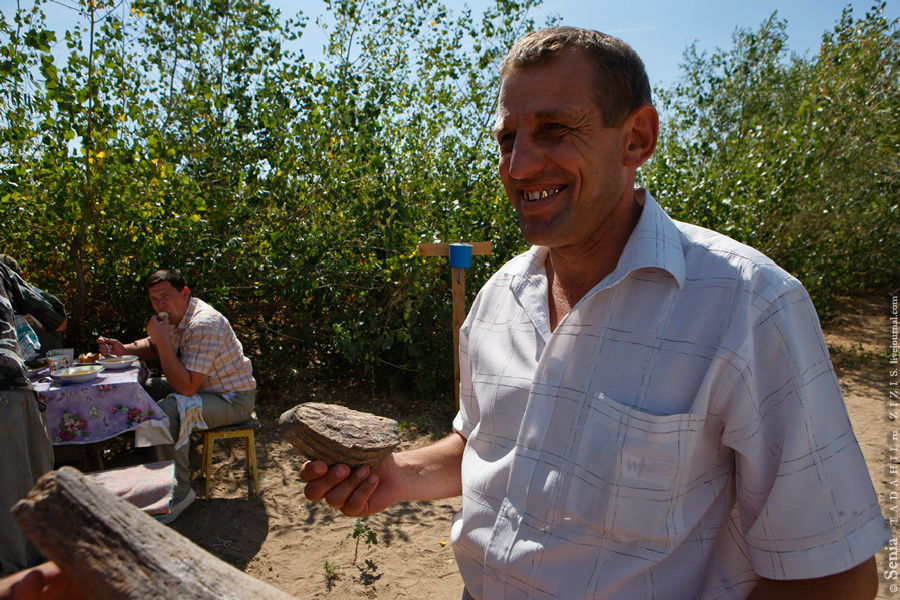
(286, 541)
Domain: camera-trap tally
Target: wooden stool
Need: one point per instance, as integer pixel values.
(244, 430)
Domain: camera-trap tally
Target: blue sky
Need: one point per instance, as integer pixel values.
(659, 30)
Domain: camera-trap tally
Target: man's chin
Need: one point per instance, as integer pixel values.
(535, 236)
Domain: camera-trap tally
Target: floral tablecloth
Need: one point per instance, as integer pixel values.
(111, 404)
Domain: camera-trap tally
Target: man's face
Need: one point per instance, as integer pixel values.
(562, 169)
(165, 298)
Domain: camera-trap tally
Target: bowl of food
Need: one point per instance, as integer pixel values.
(117, 362)
(78, 374)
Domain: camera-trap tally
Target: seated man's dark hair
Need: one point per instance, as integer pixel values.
(170, 275)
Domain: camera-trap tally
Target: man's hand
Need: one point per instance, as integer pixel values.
(109, 346)
(357, 492)
(157, 330)
(43, 582)
(428, 473)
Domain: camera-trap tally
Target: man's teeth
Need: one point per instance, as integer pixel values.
(538, 194)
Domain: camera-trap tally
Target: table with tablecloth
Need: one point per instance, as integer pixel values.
(111, 404)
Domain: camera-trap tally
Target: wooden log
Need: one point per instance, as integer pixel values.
(111, 550)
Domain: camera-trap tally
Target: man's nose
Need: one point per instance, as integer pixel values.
(526, 158)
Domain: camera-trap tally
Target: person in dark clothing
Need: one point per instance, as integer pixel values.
(26, 451)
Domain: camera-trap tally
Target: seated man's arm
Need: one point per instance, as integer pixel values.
(143, 347)
(180, 379)
(858, 583)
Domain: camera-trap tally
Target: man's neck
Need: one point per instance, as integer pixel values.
(573, 272)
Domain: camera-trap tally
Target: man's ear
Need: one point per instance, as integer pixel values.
(186, 293)
(642, 131)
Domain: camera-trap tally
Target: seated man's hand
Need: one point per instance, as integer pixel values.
(43, 582)
(357, 492)
(109, 346)
(157, 330)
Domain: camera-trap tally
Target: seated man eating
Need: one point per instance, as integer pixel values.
(202, 362)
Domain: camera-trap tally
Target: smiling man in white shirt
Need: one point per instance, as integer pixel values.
(647, 408)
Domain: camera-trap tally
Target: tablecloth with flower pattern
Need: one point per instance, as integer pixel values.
(111, 404)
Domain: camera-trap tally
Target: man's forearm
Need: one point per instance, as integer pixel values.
(141, 347)
(177, 375)
(858, 583)
(433, 472)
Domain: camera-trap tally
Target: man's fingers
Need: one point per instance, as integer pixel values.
(356, 503)
(337, 496)
(313, 469)
(321, 484)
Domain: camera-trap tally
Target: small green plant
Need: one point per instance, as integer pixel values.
(362, 531)
(332, 574)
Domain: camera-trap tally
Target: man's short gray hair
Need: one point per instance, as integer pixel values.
(621, 80)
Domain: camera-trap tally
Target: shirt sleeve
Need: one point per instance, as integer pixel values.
(806, 502)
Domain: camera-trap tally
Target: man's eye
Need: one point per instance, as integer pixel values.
(505, 141)
(555, 127)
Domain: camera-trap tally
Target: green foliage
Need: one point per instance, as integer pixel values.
(362, 532)
(293, 194)
(332, 574)
(795, 156)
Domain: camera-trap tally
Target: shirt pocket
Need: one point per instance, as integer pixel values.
(629, 475)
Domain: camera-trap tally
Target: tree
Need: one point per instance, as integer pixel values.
(796, 156)
(292, 194)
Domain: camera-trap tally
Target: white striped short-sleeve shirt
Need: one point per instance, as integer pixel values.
(206, 343)
(679, 434)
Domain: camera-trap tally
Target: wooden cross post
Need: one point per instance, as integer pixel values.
(457, 288)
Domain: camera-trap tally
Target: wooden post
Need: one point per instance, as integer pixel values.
(458, 294)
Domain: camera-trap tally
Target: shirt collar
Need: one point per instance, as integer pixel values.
(654, 243)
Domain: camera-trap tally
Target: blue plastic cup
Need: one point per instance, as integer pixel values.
(460, 256)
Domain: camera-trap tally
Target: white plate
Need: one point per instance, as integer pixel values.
(117, 362)
(35, 372)
(78, 374)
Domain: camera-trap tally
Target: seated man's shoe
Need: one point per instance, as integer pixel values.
(178, 506)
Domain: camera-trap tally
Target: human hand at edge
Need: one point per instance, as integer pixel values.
(43, 582)
(355, 492)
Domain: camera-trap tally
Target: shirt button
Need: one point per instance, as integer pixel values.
(513, 514)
